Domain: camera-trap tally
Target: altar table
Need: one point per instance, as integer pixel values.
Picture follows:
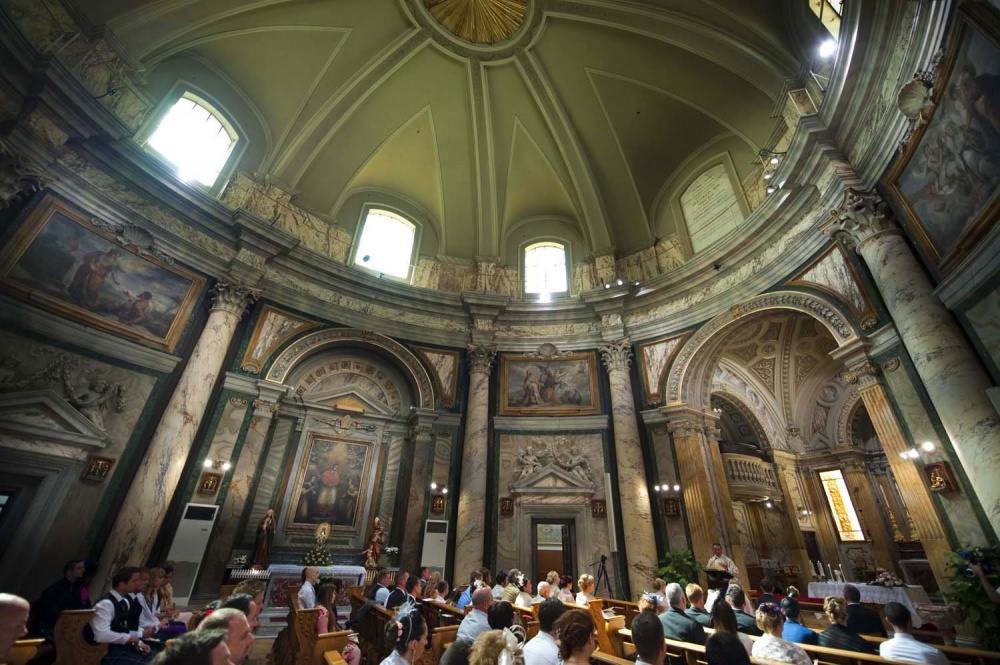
(908, 596)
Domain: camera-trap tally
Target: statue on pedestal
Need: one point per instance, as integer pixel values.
(375, 544)
(264, 539)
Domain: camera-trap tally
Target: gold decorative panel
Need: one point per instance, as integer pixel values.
(479, 21)
(842, 507)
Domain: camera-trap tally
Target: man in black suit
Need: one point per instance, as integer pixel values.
(860, 619)
(696, 597)
(676, 624)
(399, 595)
(744, 622)
(767, 586)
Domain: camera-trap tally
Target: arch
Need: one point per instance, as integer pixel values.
(687, 381)
(753, 398)
(726, 395)
(325, 339)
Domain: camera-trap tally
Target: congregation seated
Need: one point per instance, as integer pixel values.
(326, 620)
(724, 621)
(586, 586)
(13, 619)
(903, 646)
(475, 581)
(500, 615)
(500, 583)
(860, 619)
(256, 590)
(201, 647)
(380, 593)
(543, 649)
(245, 603)
(793, 630)
(771, 646)
(408, 637)
(677, 625)
(696, 600)
(647, 636)
(406, 586)
(238, 634)
(767, 587)
(151, 613)
(725, 649)
(511, 590)
(488, 647)
(522, 589)
(565, 593)
(112, 616)
(307, 592)
(66, 593)
(660, 591)
(544, 591)
(438, 593)
(737, 600)
(476, 621)
(839, 635)
(576, 632)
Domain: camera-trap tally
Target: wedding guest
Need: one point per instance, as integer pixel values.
(860, 619)
(523, 598)
(326, 620)
(903, 646)
(239, 636)
(696, 599)
(575, 631)
(500, 615)
(475, 578)
(398, 595)
(431, 584)
(13, 617)
(381, 592)
(767, 586)
(771, 646)
(552, 578)
(245, 603)
(724, 621)
(408, 636)
(659, 590)
(586, 586)
(57, 597)
(737, 599)
(489, 646)
(151, 614)
(110, 624)
(501, 584)
(838, 635)
(676, 624)
(425, 577)
(725, 649)
(476, 621)
(439, 593)
(566, 589)
(206, 647)
(794, 631)
(513, 585)
(647, 636)
(542, 649)
(544, 591)
(307, 593)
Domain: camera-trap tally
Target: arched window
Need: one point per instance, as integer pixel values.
(545, 268)
(195, 138)
(386, 244)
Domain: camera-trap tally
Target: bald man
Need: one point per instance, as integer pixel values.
(13, 617)
(476, 621)
(544, 591)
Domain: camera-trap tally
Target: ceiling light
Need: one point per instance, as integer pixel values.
(208, 464)
(771, 189)
(827, 48)
(928, 446)
(768, 175)
(677, 488)
(656, 488)
(774, 159)
(434, 486)
(769, 504)
(914, 454)
(620, 282)
(444, 490)
(637, 283)
(904, 455)
(607, 285)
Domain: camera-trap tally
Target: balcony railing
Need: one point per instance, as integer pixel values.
(750, 478)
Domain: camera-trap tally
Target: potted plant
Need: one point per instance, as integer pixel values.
(968, 595)
(678, 565)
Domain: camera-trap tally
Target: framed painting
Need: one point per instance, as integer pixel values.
(71, 264)
(329, 483)
(947, 183)
(560, 385)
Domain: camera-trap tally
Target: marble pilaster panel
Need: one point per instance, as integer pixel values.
(695, 486)
(270, 478)
(238, 493)
(470, 530)
(953, 377)
(155, 481)
(724, 499)
(633, 487)
(825, 536)
(870, 516)
(668, 477)
(422, 440)
(785, 463)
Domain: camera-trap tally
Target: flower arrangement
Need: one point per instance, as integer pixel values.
(240, 560)
(391, 556)
(885, 578)
(317, 557)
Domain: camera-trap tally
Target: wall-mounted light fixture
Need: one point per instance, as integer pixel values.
(223, 465)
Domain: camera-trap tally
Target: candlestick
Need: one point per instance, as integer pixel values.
(830, 568)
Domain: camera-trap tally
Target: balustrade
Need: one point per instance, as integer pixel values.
(750, 477)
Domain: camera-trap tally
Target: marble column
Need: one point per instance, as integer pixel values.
(156, 479)
(687, 429)
(422, 441)
(470, 529)
(885, 484)
(784, 463)
(633, 485)
(953, 377)
(916, 497)
(826, 536)
(725, 500)
(866, 506)
(238, 491)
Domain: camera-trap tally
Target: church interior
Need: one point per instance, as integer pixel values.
(643, 290)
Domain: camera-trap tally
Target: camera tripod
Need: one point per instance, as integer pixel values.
(602, 576)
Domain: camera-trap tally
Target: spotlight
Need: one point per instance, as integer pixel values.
(774, 159)
(827, 48)
(768, 175)
(677, 488)
(607, 285)
(928, 446)
(904, 455)
(208, 464)
(620, 282)
(914, 454)
(656, 488)
(771, 189)
(434, 486)
(769, 504)
(444, 490)
(637, 283)
(226, 466)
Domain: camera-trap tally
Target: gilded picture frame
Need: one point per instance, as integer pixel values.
(90, 271)
(946, 202)
(331, 484)
(559, 385)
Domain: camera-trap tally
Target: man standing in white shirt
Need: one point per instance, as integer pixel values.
(647, 635)
(307, 593)
(476, 621)
(902, 645)
(110, 622)
(542, 648)
(720, 561)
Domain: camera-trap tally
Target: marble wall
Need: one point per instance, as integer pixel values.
(984, 319)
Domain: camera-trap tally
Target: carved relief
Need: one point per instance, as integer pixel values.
(764, 368)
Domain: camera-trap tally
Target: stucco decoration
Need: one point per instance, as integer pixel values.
(274, 327)
(834, 274)
(324, 339)
(681, 384)
(654, 359)
(445, 366)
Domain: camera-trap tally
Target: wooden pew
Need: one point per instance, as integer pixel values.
(624, 608)
(371, 632)
(333, 658)
(311, 645)
(25, 650)
(71, 647)
(442, 638)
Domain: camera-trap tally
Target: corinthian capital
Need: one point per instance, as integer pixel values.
(860, 217)
(19, 179)
(233, 298)
(617, 354)
(864, 373)
(481, 358)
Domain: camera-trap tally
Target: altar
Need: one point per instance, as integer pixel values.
(275, 614)
(908, 596)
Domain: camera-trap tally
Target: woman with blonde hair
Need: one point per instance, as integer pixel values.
(838, 635)
(552, 578)
(576, 633)
(498, 647)
(586, 586)
(770, 645)
(153, 615)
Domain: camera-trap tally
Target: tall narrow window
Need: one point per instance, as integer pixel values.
(195, 138)
(386, 244)
(545, 268)
(829, 13)
(839, 498)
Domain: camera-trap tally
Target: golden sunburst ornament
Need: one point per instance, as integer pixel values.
(479, 21)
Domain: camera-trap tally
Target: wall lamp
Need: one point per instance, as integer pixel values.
(666, 488)
(435, 488)
(217, 464)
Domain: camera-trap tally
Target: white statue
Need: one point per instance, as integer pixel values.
(95, 399)
(528, 462)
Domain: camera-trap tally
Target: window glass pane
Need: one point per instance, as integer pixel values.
(839, 498)
(194, 140)
(545, 268)
(386, 244)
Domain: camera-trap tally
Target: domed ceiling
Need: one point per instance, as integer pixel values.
(479, 114)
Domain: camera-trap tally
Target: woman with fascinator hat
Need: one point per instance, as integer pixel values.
(407, 635)
(499, 647)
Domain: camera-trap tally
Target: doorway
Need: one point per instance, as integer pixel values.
(553, 546)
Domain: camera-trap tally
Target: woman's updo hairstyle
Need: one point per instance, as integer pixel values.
(573, 630)
(565, 581)
(586, 580)
(408, 626)
(835, 609)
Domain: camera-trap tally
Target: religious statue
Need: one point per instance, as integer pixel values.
(375, 543)
(528, 462)
(262, 543)
(98, 397)
(937, 480)
(577, 464)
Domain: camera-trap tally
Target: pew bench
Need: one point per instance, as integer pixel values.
(27, 650)
(71, 647)
(442, 638)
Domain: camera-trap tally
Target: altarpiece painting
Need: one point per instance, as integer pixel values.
(329, 481)
(558, 385)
